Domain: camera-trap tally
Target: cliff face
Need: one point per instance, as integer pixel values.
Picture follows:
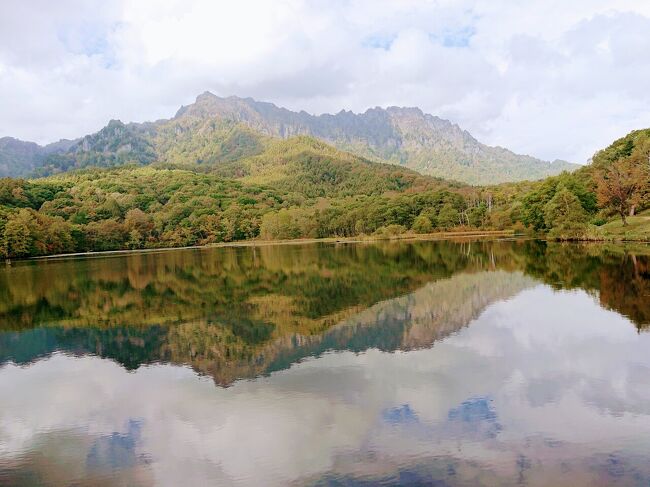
(215, 129)
(399, 135)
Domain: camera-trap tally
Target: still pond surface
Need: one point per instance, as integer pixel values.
(422, 363)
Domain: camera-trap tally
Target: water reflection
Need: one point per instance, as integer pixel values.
(516, 363)
(241, 312)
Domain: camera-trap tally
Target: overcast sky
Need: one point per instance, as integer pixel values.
(550, 78)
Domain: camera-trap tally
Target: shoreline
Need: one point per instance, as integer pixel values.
(329, 240)
(369, 239)
(296, 241)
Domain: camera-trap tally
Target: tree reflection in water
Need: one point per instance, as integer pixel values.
(240, 312)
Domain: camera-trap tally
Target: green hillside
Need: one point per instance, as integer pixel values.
(598, 201)
(308, 166)
(221, 182)
(298, 187)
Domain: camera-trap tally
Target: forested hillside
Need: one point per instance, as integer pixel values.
(256, 187)
(295, 188)
(578, 205)
(214, 130)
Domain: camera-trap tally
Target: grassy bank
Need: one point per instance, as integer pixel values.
(637, 228)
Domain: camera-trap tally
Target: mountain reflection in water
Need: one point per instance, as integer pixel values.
(519, 362)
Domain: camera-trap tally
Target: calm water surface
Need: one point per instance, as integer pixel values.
(473, 363)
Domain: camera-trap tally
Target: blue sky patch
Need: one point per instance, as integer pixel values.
(400, 415)
(379, 41)
(455, 38)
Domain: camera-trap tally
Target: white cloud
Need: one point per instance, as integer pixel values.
(565, 390)
(550, 78)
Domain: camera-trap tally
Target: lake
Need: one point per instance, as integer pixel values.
(513, 362)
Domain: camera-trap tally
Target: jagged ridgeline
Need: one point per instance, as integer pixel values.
(216, 130)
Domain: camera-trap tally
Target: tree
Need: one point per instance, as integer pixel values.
(287, 224)
(448, 216)
(422, 224)
(478, 215)
(565, 216)
(105, 235)
(110, 209)
(57, 235)
(618, 186)
(135, 239)
(210, 229)
(640, 160)
(19, 235)
(137, 220)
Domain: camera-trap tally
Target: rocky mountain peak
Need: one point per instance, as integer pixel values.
(405, 136)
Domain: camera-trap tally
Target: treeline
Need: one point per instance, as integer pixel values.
(133, 208)
(303, 188)
(127, 208)
(574, 206)
(385, 216)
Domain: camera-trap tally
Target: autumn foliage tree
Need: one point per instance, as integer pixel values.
(619, 187)
(622, 174)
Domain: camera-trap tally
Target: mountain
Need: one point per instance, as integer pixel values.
(403, 136)
(18, 157)
(312, 168)
(215, 130)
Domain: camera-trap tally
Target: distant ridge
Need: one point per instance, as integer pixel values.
(18, 158)
(398, 135)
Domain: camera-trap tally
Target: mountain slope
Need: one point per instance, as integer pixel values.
(308, 166)
(404, 136)
(18, 157)
(214, 130)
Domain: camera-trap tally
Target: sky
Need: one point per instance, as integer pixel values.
(548, 78)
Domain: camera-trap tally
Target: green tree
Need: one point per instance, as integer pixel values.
(135, 239)
(422, 224)
(478, 215)
(448, 217)
(57, 236)
(565, 216)
(110, 209)
(136, 219)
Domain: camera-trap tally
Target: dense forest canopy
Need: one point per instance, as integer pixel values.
(244, 187)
